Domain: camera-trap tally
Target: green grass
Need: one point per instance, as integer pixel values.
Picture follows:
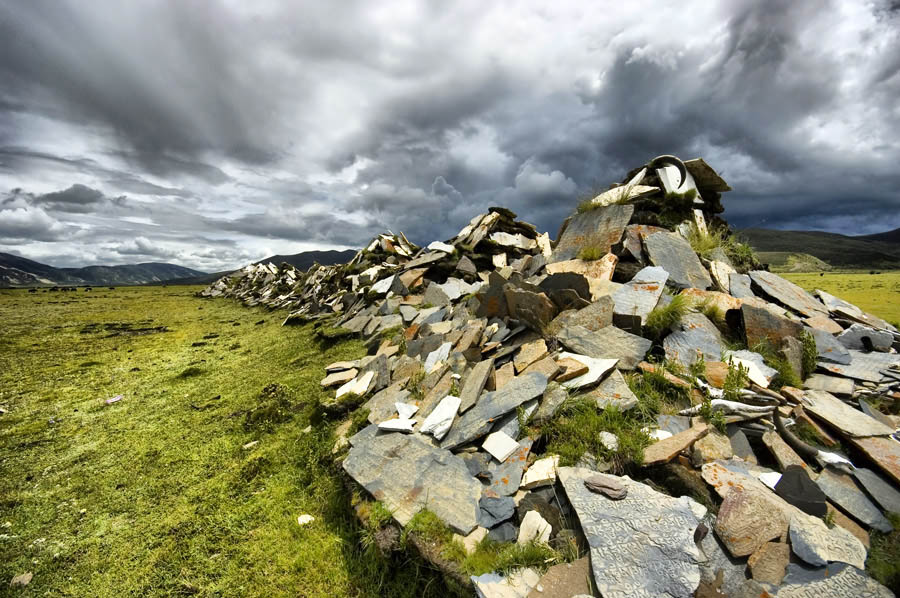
(590, 254)
(154, 495)
(705, 242)
(576, 430)
(878, 294)
(663, 318)
(883, 562)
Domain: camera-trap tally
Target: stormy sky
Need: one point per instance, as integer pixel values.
(211, 134)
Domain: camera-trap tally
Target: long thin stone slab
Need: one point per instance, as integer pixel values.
(843, 491)
(842, 416)
(607, 343)
(474, 384)
(665, 450)
(863, 366)
(641, 545)
(884, 451)
(407, 474)
(597, 229)
(788, 294)
(879, 489)
(478, 420)
(832, 384)
(674, 255)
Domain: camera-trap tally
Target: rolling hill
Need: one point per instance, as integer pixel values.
(17, 271)
(306, 259)
(839, 251)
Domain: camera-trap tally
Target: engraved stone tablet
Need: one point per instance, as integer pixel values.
(642, 545)
(836, 581)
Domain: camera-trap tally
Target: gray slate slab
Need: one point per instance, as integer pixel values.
(788, 294)
(607, 343)
(694, 333)
(614, 390)
(834, 384)
(478, 420)
(740, 286)
(408, 474)
(863, 366)
(843, 491)
(842, 416)
(642, 545)
(828, 347)
(674, 255)
(600, 228)
(639, 296)
(884, 493)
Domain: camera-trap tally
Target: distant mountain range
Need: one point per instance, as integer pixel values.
(879, 251)
(18, 271)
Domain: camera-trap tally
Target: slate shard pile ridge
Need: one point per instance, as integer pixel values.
(475, 345)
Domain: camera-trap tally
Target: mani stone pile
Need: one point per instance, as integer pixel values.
(475, 341)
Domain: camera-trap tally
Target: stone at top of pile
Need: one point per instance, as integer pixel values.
(473, 337)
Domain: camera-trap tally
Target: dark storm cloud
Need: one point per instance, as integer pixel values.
(285, 126)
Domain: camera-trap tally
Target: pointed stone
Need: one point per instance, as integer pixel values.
(614, 390)
(674, 255)
(828, 347)
(530, 353)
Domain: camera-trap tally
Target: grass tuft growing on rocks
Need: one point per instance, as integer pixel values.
(883, 562)
(663, 318)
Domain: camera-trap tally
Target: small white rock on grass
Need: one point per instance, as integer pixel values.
(305, 520)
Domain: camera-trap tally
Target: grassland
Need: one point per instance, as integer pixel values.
(155, 495)
(878, 293)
